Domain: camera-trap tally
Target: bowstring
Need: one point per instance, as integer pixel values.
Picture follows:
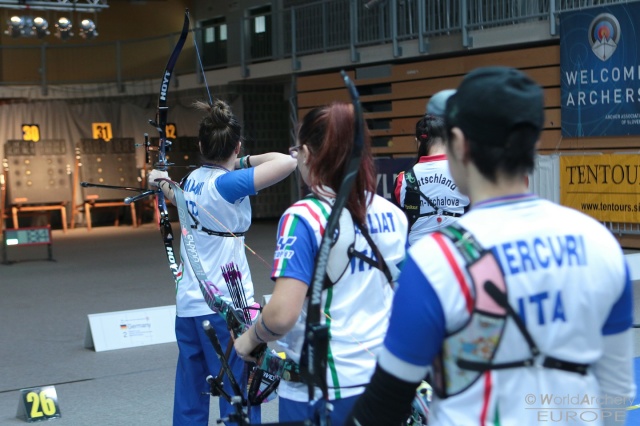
(204, 76)
(226, 228)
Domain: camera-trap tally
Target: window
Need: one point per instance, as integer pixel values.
(214, 41)
(261, 34)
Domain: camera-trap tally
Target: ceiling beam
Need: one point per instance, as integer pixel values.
(61, 5)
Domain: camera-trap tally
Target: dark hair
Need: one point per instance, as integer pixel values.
(429, 129)
(516, 157)
(328, 133)
(219, 131)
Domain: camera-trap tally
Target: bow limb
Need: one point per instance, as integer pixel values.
(313, 360)
(160, 124)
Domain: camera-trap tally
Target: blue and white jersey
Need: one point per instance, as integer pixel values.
(356, 308)
(219, 201)
(567, 280)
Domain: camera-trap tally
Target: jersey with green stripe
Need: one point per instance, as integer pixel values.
(357, 307)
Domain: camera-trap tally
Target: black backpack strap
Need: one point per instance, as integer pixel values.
(378, 262)
(411, 205)
(470, 249)
(202, 228)
(183, 181)
(412, 202)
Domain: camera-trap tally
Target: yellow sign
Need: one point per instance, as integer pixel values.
(39, 403)
(606, 187)
(102, 131)
(171, 131)
(30, 132)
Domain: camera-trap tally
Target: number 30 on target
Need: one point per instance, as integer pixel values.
(37, 404)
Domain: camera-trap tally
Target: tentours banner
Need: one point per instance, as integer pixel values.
(606, 187)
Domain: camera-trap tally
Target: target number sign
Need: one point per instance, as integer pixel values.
(102, 131)
(171, 130)
(38, 404)
(30, 132)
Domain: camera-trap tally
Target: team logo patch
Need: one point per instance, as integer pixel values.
(410, 178)
(282, 250)
(604, 35)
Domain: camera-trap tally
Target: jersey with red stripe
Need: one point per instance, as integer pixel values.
(357, 306)
(566, 278)
(434, 181)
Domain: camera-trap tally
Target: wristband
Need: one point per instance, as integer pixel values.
(242, 162)
(248, 162)
(267, 328)
(255, 330)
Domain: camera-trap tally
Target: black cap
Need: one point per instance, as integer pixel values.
(491, 101)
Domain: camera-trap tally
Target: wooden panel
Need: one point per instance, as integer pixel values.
(397, 145)
(322, 97)
(523, 58)
(552, 118)
(629, 241)
(546, 76)
(552, 97)
(405, 125)
(411, 85)
(331, 80)
(302, 112)
(408, 107)
(426, 88)
(423, 88)
(552, 141)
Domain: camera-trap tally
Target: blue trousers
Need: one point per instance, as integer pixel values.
(196, 361)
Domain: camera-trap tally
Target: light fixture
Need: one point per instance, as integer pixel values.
(63, 27)
(88, 29)
(28, 26)
(16, 26)
(41, 27)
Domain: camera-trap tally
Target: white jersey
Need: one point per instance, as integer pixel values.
(566, 278)
(223, 258)
(434, 181)
(357, 306)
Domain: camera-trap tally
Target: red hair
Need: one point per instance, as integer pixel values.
(328, 133)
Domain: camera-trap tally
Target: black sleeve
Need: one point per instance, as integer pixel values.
(386, 401)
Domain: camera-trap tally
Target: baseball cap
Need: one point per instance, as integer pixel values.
(491, 101)
(438, 101)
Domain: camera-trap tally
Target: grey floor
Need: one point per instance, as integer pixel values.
(43, 312)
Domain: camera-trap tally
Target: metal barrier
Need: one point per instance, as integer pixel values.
(311, 28)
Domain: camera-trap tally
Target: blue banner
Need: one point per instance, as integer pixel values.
(600, 71)
(387, 170)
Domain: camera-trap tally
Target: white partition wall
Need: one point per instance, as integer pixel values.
(545, 179)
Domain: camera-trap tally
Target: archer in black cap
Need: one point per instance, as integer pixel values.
(506, 244)
(499, 114)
